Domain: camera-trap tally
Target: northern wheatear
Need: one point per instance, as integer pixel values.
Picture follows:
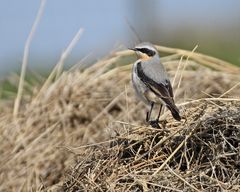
(151, 82)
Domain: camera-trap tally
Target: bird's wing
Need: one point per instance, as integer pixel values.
(169, 87)
(163, 90)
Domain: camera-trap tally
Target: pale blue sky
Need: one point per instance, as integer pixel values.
(105, 26)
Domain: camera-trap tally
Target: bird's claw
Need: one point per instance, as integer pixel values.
(154, 124)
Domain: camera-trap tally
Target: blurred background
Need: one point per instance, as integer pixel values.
(213, 25)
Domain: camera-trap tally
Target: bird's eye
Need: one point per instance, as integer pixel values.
(149, 52)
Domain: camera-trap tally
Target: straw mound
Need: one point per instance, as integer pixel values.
(204, 153)
(83, 107)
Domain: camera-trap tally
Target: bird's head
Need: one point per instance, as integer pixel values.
(145, 51)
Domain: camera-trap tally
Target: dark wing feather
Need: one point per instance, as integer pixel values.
(162, 90)
(169, 87)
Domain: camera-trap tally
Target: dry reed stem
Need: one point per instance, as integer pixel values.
(205, 60)
(25, 58)
(208, 99)
(184, 67)
(181, 178)
(67, 52)
(178, 68)
(228, 91)
(59, 66)
(201, 57)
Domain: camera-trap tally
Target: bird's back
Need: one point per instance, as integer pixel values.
(155, 70)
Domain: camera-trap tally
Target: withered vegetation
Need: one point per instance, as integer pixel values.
(84, 130)
(199, 154)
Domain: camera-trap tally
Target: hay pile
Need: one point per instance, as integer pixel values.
(199, 154)
(41, 145)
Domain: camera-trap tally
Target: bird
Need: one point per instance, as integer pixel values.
(151, 82)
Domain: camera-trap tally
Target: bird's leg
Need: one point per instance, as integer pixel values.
(159, 113)
(148, 116)
(163, 123)
(153, 123)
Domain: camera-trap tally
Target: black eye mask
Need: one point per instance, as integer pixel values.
(149, 52)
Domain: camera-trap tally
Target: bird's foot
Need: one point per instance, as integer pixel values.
(159, 125)
(155, 124)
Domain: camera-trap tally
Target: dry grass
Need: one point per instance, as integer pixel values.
(54, 128)
(199, 154)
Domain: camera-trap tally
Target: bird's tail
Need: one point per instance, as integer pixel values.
(175, 112)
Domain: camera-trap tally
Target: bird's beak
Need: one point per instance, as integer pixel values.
(133, 49)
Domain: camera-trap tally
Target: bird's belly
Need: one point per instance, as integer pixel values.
(143, 92)
(154, 98)
(140, 88)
